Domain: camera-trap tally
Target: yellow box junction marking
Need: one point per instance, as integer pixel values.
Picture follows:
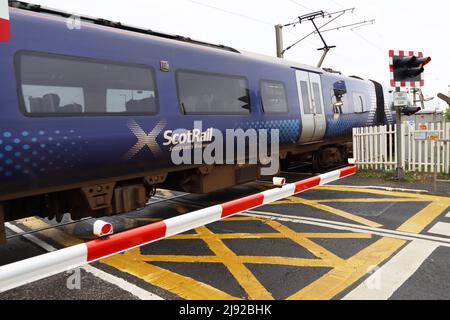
(350, 271)
(416, 223)
(344, 273)
(234, 263)
(322, 207)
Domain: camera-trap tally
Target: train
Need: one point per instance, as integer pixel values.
(88, 105)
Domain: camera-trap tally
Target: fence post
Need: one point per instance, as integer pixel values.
(389, 146)
(366, 147)
(377, 150)
(413, 149)
(403, 145)
(410, 148)
(355, 144)
(447, 148)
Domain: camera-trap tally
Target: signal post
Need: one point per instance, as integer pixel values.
(406, 68)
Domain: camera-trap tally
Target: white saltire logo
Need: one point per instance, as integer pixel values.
(211, 147)
(145, 139)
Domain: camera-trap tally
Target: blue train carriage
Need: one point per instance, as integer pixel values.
(330, 106)
(350, 102)
(89, 113)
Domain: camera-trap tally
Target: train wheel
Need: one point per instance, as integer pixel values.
(328, 158)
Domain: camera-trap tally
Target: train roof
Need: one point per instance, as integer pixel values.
(288, 63)
(188, 41)
(114, 24)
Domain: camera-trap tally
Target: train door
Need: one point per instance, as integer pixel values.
(311, 106)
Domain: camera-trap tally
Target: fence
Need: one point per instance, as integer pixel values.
(375, 147)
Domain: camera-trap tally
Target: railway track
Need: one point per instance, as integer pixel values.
(74, 222)
(178, 199)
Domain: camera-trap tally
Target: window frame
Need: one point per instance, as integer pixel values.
(285, 94)
(308, 93)
(183, 112)
(317, 85)
(22, 107)
(360, 95)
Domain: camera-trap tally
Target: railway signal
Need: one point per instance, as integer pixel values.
(402, 103)
(402, 106)
(409, 110)
(407, 68)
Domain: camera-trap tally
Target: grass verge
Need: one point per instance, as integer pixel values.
(409, 176)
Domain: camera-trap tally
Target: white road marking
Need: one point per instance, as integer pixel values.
(441, 228)
(381, 188)
(114, 280)
(383, 283)
(447, 215)
(122, 284)
(31, 238)
(445, 242)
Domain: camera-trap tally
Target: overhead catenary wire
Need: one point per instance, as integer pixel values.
(356, 33)
(359, 35)
(231, 12)
(301, 5)
(257, 20)
(244, 16)
(355, 25)
(339, 14)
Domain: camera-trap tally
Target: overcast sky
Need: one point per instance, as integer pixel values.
(249, 25)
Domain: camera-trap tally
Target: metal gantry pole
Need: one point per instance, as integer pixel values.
(325, 52)
(400, 172)
(279, 40)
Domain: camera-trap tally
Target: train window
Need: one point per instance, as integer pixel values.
(317, 97)
(207, 93)
(55, 85)
(305, 98)
(118, 100)
(36, 97)
(274, 97)
(359, 102)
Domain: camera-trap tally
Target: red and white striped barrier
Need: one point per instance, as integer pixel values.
(36, 268)
(4, 21)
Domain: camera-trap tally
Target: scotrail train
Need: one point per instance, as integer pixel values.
(75, 100)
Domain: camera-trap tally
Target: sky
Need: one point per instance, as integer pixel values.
(249, 25)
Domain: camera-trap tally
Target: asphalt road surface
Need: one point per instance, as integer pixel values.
(333, 242)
